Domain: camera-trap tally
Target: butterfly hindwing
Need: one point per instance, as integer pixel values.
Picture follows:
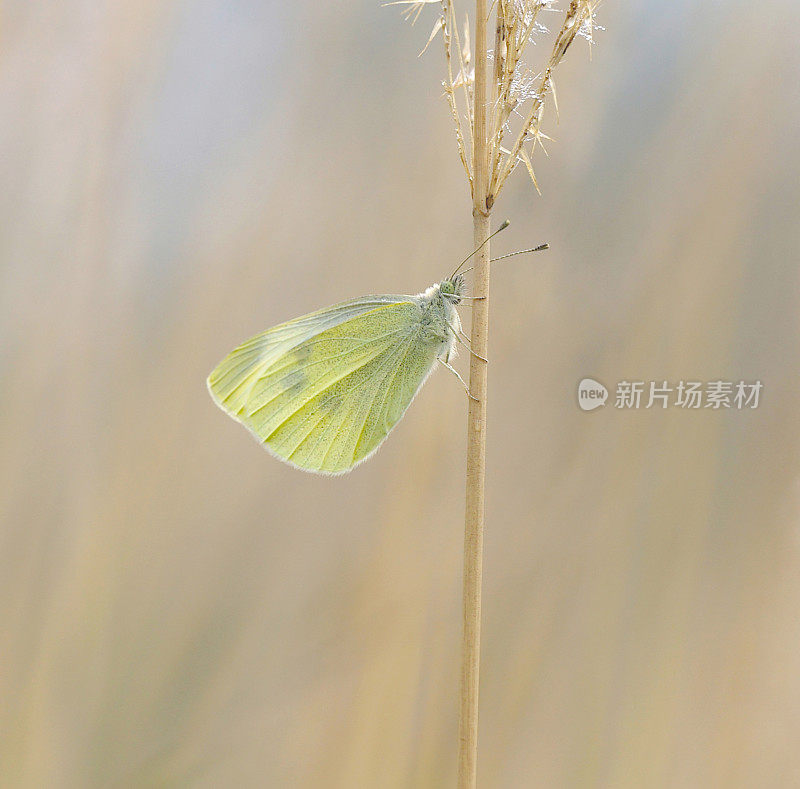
(322, 392)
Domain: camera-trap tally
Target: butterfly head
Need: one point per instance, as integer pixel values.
(452, 289)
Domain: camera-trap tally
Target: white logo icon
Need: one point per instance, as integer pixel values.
(591, 394)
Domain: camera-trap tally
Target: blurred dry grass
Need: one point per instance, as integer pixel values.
(177, 608)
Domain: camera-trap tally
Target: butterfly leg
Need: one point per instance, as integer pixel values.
(465, 343)
(471, 298)
(458, 337)
(457, 375)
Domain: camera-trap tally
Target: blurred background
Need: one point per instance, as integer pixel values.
(177, 608)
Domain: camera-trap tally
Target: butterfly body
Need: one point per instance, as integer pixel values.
(322, 392)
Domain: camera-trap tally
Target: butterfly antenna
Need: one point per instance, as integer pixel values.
(540, 248)
(505, 224)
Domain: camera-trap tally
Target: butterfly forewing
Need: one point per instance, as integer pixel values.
(323, 391)
(232, 380)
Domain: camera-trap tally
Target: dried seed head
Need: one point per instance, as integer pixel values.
(519, 93)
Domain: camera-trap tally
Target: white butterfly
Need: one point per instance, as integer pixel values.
(323, 391)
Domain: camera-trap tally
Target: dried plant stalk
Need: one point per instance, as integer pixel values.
(476, 422)
(510, 103)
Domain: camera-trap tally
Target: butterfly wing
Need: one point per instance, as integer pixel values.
(323, 392)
